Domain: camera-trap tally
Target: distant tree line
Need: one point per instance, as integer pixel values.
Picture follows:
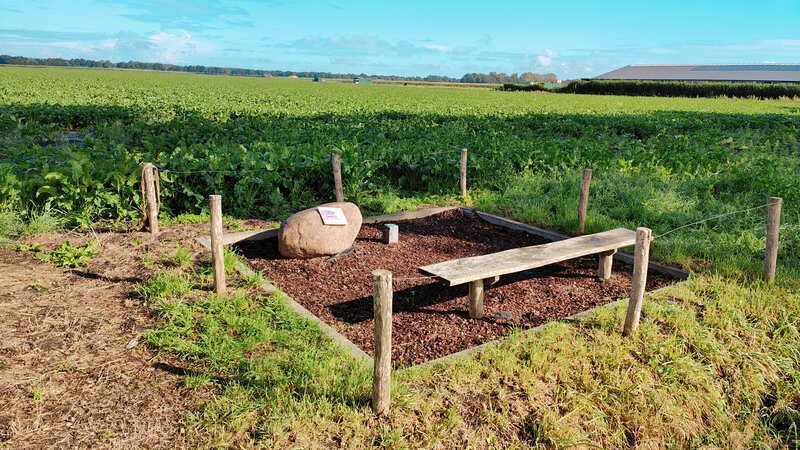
(523, 78)
(491, 77)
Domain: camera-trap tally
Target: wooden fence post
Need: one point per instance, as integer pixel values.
(641, 258)
(150, 195)
(382, 369)
(463, 182)
(217, 252)
(336, 162)
(583, 202)
(773, 227)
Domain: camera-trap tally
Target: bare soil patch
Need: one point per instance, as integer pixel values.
(430, 319)
(73, 370)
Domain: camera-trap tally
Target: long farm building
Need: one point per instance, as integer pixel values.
(756, 73)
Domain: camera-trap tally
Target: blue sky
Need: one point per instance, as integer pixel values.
(571, 38)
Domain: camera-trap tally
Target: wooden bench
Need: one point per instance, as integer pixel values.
(476, 269)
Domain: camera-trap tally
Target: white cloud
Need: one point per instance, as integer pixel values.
(173, 48)
(549, 52)
(544, 60)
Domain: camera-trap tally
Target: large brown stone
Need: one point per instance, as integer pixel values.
(303, 235)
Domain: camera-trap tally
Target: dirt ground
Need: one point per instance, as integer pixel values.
(73, 372)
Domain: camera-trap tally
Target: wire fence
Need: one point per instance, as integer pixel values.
(161, 169)
(690, 224)
(718, 216)
(165, 169)
(452, 150)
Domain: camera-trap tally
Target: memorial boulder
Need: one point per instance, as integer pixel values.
(306, 235)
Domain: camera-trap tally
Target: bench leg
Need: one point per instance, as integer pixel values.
(604, 266)
(476, 299)
(492, 280)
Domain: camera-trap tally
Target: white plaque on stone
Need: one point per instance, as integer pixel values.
(332, 216)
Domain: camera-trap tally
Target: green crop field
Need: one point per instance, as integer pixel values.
(265, 145)
(722, 374)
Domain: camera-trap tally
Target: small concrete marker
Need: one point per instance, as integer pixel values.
(391, 233)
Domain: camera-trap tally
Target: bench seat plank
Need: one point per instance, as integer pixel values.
(232, 238)
(464, 270)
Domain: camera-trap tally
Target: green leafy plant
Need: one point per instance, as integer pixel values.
(35, 248)
(183, 257)
(71, 256)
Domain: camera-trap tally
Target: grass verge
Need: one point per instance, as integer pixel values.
(715, 363)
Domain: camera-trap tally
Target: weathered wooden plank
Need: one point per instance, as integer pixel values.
(626, 258)
(514, 225)
(232, 238)
(408, 215)
(464, 270)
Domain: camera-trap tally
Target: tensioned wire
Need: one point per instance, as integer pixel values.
(708, 219)
(718, 216)
(262, 169)
(164, 169)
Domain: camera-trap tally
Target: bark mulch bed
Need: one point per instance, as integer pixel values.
(431, 319)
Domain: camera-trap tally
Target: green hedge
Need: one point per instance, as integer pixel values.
(681, 89)
(523, 87)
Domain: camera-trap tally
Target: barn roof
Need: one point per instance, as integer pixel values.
(708, 72)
